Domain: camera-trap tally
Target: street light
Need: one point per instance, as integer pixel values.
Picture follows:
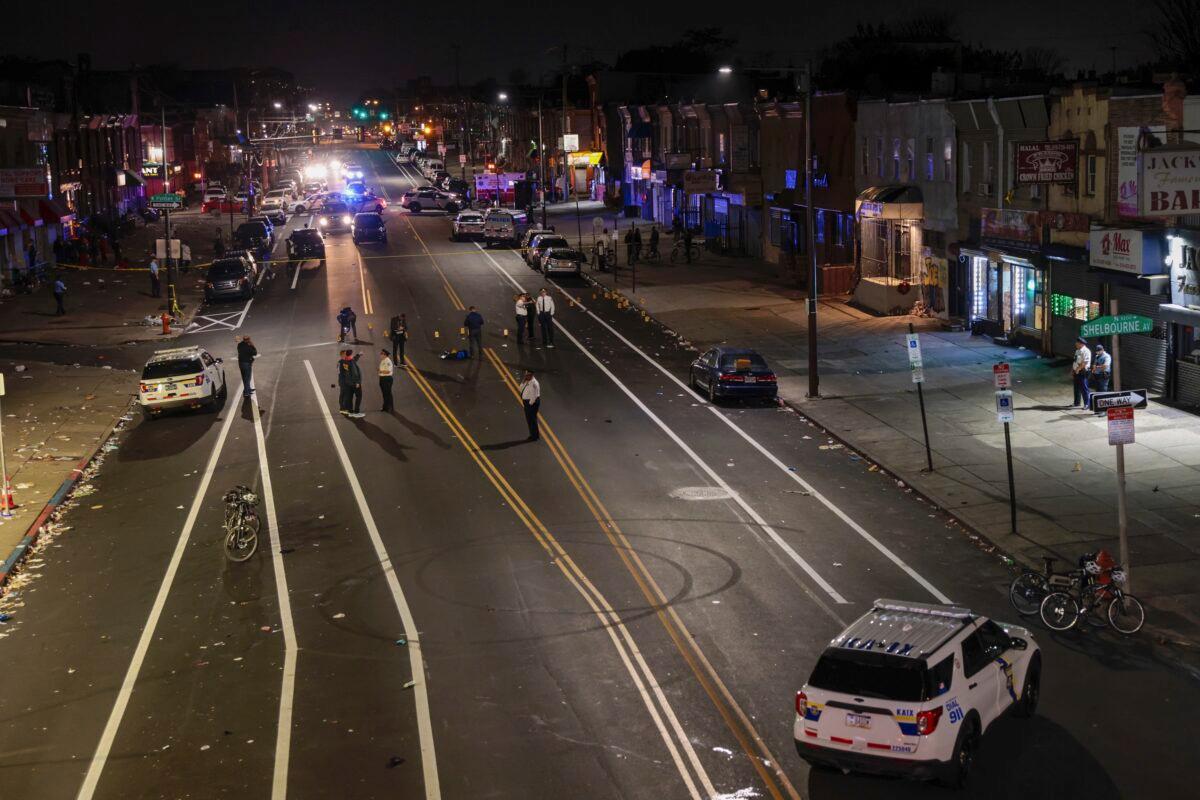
(277, 104)
(503, 97)
(724, 70)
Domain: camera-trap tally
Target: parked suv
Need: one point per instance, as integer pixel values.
(231, 277)
(305, 243)
(368, 227)
(182, 377)
(503, 226)
(253, 236)
(910, 688)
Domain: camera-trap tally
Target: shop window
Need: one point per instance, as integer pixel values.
(780, 227)
(819, 226)
(964, 155)
(929, 158)
(1189, 344)
(879, 156)
(979, 288)
(1027, 297)
(1089, 177)
(866, 157)
(948, 159)
(896, 160)
(1063, 305)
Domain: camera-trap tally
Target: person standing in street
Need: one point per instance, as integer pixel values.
(654, 241)
(1101, 369)
(629, 247)
(32, 254)
(246, 353)
(1081, 367)
(637, 243)
(522, 312)
(398, 333)
(155, 283)
(545, 315)
(474, 325)
(349, 385)
(60, 291)
(531, 401)
(687, 244)
(386, 368)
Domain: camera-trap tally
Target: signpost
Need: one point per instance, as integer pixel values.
(169, 202)
(1111, 401)
(1116, 325)
(1001, 376)
(1004, 413)
(1132, 398)
(917, 369)
(1120, 425)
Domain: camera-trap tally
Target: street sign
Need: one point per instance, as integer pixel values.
(1001, 376)
(1, 384)
(915, 365)
(1131, 398)
(1004, 406)
(1120, 425)
(441, 149)
(1114, 326)
(462, 159)
(168, 201)
(569, 143)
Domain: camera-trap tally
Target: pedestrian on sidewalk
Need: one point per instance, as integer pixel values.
(531, 401)
(398, 333)
(474, 325)
(687, 244)
(1101, 369)
(637, 243)
(386, 368)
(629, 247)
(60, 291)
(654, 240)
(155, 283)
(522, 312)
(246, 353)
(545, 314)
(1080, 368)
(32, 255)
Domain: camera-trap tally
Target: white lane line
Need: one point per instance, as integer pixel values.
(104, 748)
(287, 692)
(296, 274)
(808, 487)
(433, 789)
(245, 311)
(717, 479)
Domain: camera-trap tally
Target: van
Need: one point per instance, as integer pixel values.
(432, 167)
(504, 226)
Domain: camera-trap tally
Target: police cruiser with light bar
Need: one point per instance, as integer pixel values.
(910, 688)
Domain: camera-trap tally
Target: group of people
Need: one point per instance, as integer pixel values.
(528, 309)
(1089, 373)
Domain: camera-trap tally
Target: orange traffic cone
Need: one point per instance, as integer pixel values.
(7, 501)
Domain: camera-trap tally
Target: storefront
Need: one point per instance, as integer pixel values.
(1007, 279)
(888, 253)
(1182, 316)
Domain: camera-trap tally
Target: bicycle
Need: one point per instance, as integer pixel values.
(1062, 610)
(1029, 589)
(242, 523)
(678, 251)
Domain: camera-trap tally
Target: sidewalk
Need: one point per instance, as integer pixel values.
(1064, 466)
(54, 416)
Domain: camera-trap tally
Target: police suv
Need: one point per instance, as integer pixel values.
(182, 377)
(909, 688)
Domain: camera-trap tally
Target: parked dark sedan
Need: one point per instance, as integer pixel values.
(368, 227)
(305, 243)
(732, 372)
(253, 236)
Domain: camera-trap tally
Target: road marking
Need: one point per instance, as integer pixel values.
(104, 748)
(454, 298)
(679, 633)
(287, 692)
(610, 620)
(219, 321)
(245, 311)
(808, 487)
(362, 285)
(433, 789)
(296, 275)
(701, 463)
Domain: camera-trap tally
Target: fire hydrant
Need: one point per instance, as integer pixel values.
(166, 321)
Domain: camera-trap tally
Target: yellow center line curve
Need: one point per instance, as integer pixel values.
(610, 619)
(747, 735)
(454, 298)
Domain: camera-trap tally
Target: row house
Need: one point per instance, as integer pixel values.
(97, 163)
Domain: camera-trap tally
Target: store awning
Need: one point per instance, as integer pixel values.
(28, 220)
(897, 201)
(134, 178)
(1169, 312)
(9, 222)
(54, 211)
(589, 157)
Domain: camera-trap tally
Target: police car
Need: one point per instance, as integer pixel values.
(182, 377)
(910, 688)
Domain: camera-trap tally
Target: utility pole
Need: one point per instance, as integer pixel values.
(167, 212)
(541, 161)
(566, 179)
(813, 377)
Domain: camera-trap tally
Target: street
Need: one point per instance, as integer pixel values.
(624, 608)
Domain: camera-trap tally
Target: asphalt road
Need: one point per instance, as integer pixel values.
(622, 609)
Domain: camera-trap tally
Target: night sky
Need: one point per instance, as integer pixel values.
(342, 48)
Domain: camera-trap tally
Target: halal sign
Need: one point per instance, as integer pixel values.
(1046, 162)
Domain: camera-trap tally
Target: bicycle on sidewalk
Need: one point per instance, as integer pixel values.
(1095, 595)
(242, 523)
(681, 253)
(1029, 589)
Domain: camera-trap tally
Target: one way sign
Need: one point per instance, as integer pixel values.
(1129, 398)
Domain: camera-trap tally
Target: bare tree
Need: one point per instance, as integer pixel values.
(1176, 34)
(1042, 61)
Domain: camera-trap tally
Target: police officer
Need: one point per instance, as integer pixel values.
(1101, 369)
(1081, 368)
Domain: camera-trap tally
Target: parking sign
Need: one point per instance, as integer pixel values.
(1004, 406)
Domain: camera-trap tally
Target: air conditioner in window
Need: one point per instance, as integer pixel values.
(985, 189)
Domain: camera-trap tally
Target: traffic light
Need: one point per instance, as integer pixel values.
(383, 115)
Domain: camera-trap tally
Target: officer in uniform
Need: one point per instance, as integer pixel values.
(1101, 369)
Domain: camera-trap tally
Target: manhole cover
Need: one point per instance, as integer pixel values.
(701, 493)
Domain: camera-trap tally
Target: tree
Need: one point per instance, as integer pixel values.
(1042, 61)
(698, 51)
(1176, 36)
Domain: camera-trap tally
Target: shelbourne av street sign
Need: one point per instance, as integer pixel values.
(1115, 326)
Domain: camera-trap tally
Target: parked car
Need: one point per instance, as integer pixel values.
(910, 689)
(352, 171)
(732, 372)
(503, 226)
(368, 227)
(284, 200)
(181, 377)
(305, 243)
(273, 215)
(540, 244)
(467, 225)
(419, 200)
(334, 216)
(456, 186)
(563, 261)
(231, 277)
(253, 235)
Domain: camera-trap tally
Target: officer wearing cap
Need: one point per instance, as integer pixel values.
(1101, 369)
(1081, 368)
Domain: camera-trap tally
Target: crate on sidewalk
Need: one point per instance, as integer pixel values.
(836, 278)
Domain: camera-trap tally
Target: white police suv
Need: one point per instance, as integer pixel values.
(182, 377)
(909, 689)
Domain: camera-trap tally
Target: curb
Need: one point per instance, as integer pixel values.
(35, 529)
(1161, 635)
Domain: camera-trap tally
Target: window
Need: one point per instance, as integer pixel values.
(973, 656)
(896, 160)
(940, 676)
(864, 674)
(985, 172)
(819, 226)
(782, 229)
(1089, 177)
(910, 161)
(1008, 178)
(866, 156)
(1062, 305)
(948, 159)
(929, 158)
(993, 638)
(879, 156)
(964, 154)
